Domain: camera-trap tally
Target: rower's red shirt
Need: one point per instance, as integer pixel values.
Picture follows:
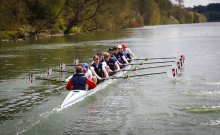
(91, 84)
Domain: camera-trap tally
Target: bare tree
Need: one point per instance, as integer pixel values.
(80, 11)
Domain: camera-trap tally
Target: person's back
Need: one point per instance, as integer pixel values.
(79, 81)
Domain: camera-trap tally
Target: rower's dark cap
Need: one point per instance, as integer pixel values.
(110, 50)
(78, 69)
(99, 54)
(85, 66)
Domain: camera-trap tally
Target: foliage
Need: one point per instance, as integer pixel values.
(172, 20)
(73, 16)
(75, 30)
(12, 14)
(199, 18)
(211, 11)
(189, 17)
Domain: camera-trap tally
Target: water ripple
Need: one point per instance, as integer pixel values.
(11, 108)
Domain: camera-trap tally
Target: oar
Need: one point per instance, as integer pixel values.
(62, 67)
(161, 58)
(32, 78)
(135, 69)
(142, 63)
(59, 70)
(128, 76)
(172, 73)
(75, 63)
(132, 69)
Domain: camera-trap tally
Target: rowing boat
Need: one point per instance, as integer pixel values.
(75, 96)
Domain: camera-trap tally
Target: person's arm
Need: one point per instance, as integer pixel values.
(94, 73)
(116, 65)
(91, 84)
(125, 60)
(69, 85)
(131, 53)
(104, 69)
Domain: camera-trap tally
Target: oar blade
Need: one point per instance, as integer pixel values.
(31, 78)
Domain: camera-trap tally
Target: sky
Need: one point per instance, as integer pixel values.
(191, 3)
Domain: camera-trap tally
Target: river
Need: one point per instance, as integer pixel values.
(185, 105)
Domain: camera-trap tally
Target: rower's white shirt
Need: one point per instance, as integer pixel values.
(88, 74)
(127, 50)
(104, 64)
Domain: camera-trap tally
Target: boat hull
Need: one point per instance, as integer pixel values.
(75, 96)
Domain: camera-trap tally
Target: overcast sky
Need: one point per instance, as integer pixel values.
(191, 3)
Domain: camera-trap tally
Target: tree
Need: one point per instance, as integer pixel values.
(150, 12)
(12, 14)
(78, 11)
(189, 17)
(180, 3)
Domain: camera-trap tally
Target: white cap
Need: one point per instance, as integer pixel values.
(119, 46)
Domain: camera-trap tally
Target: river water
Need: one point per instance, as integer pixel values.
(185, 105)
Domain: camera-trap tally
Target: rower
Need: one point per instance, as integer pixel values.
(88, 72)
(111, 52)
(119, 55)
(103, 62)
(111, 62)
(100, 57)
(98, 69)
(127, 51)
(79, 81)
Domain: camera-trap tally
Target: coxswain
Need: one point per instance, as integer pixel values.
(79, 81)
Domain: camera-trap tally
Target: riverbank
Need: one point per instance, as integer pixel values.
(44, 19)
(24, 34)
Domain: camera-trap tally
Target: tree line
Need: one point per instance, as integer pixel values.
(30, 18)
(211, 11)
